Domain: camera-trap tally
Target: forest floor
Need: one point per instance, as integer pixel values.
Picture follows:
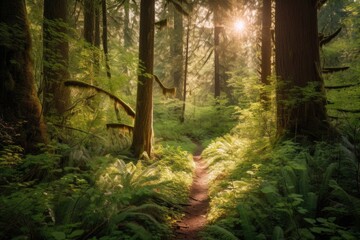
(195, 212)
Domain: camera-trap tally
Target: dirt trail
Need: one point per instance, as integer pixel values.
(195, 213)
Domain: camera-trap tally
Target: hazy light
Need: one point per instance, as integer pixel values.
(239, 25)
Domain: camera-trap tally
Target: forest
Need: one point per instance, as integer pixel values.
(180, 119)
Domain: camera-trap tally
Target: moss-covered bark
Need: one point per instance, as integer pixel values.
(19, 103)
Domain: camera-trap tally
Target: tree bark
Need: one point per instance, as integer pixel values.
(97, 37)
(298, 70)
(89, 21)
(177, 53)
(266, 42)
(143, 129)
(56, 58)
(217, 29)
(182, 118)
(105, 38)
(19, 103)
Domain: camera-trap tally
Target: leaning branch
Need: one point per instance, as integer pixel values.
(326, 39)
(342, 86)
(348, 110)
(79, 84)
(333, 69)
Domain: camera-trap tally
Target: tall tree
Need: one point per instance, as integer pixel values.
(299, 111)
(19, 103)
(217, 30)
(143, 129)
(89, 21)
(56, 57)
(105, 37)
(177, 52)
(97, 36)
(265, 45)
(89, 34)
(219, 9)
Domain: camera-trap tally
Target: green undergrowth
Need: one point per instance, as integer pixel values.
(260, 190)
(202, 123)
(64, 194)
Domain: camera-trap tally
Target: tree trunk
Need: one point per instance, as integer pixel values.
(299, 111)
(19, 103)
(177, 53)
(143, 129)
(217, 29)
(182, 118)
(55, 57)
(97, 38)
(127, 30)
(89, 37)
(266, 47)
(89, 21)
(105, 38)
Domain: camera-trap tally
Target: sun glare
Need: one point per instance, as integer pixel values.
(239, 25)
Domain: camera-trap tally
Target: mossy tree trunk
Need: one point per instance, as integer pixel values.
(55, 58)
(143, 129)
(19, 103)
(300, 88)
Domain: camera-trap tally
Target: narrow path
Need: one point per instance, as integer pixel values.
(195, 213)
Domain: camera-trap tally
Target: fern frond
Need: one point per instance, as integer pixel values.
(247, 228)
(217, 232)
(139, 231)
(278, 234)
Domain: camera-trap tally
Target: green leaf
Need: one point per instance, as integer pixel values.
(268, 189)
(278, 234)
(59, 235)
(76, 233)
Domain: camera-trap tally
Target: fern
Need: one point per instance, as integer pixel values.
(247, 228)
(216, 232)
(278, 234)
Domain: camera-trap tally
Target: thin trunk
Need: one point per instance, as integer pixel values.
(19, 103)
(177, 52)
(55, 58)
(299, 112)
(127, 31)
(182, 119)
(97, 38)
(105, 38)
(143, 129)
(217, 29)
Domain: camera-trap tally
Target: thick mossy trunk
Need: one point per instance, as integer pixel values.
(19, 103)
(300, 87)
(142, 137)
(56, 58)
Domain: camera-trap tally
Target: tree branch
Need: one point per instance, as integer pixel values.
(79, 84)
(333, 69)
(326, 39)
